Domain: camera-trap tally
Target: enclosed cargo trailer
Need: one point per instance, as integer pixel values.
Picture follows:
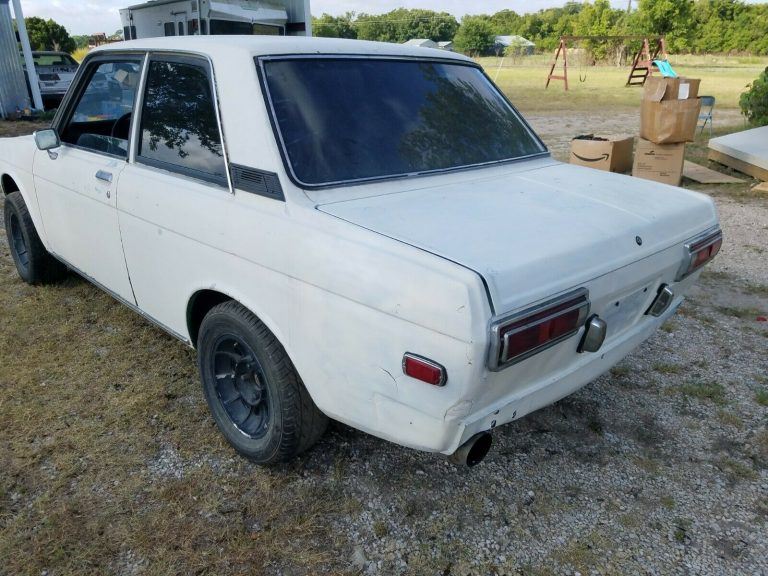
(204, 17)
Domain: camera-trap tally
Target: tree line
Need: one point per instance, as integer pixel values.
(695, 26)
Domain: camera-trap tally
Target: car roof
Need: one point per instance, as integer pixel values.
(225, 45)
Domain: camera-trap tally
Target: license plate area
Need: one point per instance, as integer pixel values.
(623, 312)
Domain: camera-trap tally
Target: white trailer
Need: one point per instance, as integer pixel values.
(203, 17)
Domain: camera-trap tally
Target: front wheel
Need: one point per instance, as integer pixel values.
(253, 391)
(33, 262)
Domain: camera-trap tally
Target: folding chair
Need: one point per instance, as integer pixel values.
(707, 106)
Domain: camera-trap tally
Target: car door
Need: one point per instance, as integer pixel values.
(175, 198)
(76, 183)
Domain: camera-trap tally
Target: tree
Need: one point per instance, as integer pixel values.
(328, 26)
(671, 18)
(403, 24)
(48, 35)
(81, 41)
(475, 36)
(754, 102)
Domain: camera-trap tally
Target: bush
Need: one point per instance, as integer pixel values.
(754, 102)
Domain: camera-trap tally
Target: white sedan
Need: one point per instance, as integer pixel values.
(362, 231)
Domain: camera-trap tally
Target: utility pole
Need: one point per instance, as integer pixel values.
(629, 6)
(37, 99)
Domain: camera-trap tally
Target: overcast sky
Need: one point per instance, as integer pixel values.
(83, 17)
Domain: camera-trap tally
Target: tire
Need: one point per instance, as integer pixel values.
(33, 262)
(253, 391)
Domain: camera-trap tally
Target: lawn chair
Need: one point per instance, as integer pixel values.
(707, 106)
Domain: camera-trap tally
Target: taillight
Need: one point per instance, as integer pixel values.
(424, 369)
(699, 252)
(535, 329)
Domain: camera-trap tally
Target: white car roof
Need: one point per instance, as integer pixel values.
(222, 46)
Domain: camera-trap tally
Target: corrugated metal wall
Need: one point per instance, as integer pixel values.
(13, 86)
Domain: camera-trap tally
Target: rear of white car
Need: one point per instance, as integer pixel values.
(557, 260)
(578, 267)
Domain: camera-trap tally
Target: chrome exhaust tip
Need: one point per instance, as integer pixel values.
(473, 451)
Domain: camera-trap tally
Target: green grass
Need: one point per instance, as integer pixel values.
(761, 397)
(523, 80)
(739, 312)
(704, 391)
(665, 368)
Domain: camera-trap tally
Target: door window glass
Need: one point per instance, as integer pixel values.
(101, 118)
(179, 128)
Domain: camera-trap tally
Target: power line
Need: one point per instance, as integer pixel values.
(366, 21)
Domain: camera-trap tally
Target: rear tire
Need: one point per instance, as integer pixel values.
(33, 262)
(253, 391)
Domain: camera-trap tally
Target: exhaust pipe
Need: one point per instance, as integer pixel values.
(473, 451)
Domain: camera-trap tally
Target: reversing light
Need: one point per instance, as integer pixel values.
(699, 252)
(424, 369)
(535, 329)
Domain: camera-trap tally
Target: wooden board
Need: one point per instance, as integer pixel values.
(740, 165)
(704, 175)
(762, 187)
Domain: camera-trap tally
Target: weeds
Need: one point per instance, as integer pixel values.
(710, 391)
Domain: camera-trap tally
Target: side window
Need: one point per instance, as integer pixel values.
(101, 118)
(170, 29)
(179, 128)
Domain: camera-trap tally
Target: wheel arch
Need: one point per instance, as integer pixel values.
(203, 300)
(8, 184)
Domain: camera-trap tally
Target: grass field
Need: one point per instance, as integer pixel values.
(523, 80)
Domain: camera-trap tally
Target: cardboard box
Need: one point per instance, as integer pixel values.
(669, 121)
(669, 112)
(658, 89)
(610, 153)
(659, 162)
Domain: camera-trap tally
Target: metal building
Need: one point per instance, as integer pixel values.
(13, 85)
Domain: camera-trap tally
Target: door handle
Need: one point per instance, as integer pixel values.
(104, 176)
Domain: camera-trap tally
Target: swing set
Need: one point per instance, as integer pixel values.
(642, 63)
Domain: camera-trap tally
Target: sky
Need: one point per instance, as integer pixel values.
(84, 17)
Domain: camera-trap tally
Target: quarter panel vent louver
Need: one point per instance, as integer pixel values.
(257, 181)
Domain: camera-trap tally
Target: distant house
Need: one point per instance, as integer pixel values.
(421, 43)
(525, 46)
(445, 45)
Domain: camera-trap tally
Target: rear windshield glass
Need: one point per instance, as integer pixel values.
(347, 119)
(53, 60)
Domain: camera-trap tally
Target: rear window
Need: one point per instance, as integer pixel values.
(349, 119)
(53, 60)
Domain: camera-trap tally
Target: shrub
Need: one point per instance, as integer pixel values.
(754, 102)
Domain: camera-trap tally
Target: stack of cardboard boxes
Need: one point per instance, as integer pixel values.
(669, 114)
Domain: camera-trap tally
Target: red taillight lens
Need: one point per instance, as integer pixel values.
(541, 327)
(424, 369)
(701, 252)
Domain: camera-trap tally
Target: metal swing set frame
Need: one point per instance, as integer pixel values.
(642, 63)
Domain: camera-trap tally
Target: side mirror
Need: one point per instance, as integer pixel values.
(47, 139)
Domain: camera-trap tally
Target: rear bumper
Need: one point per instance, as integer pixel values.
(408, 426)
(592, 365)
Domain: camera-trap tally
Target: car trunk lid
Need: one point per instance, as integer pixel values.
(531, 233)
